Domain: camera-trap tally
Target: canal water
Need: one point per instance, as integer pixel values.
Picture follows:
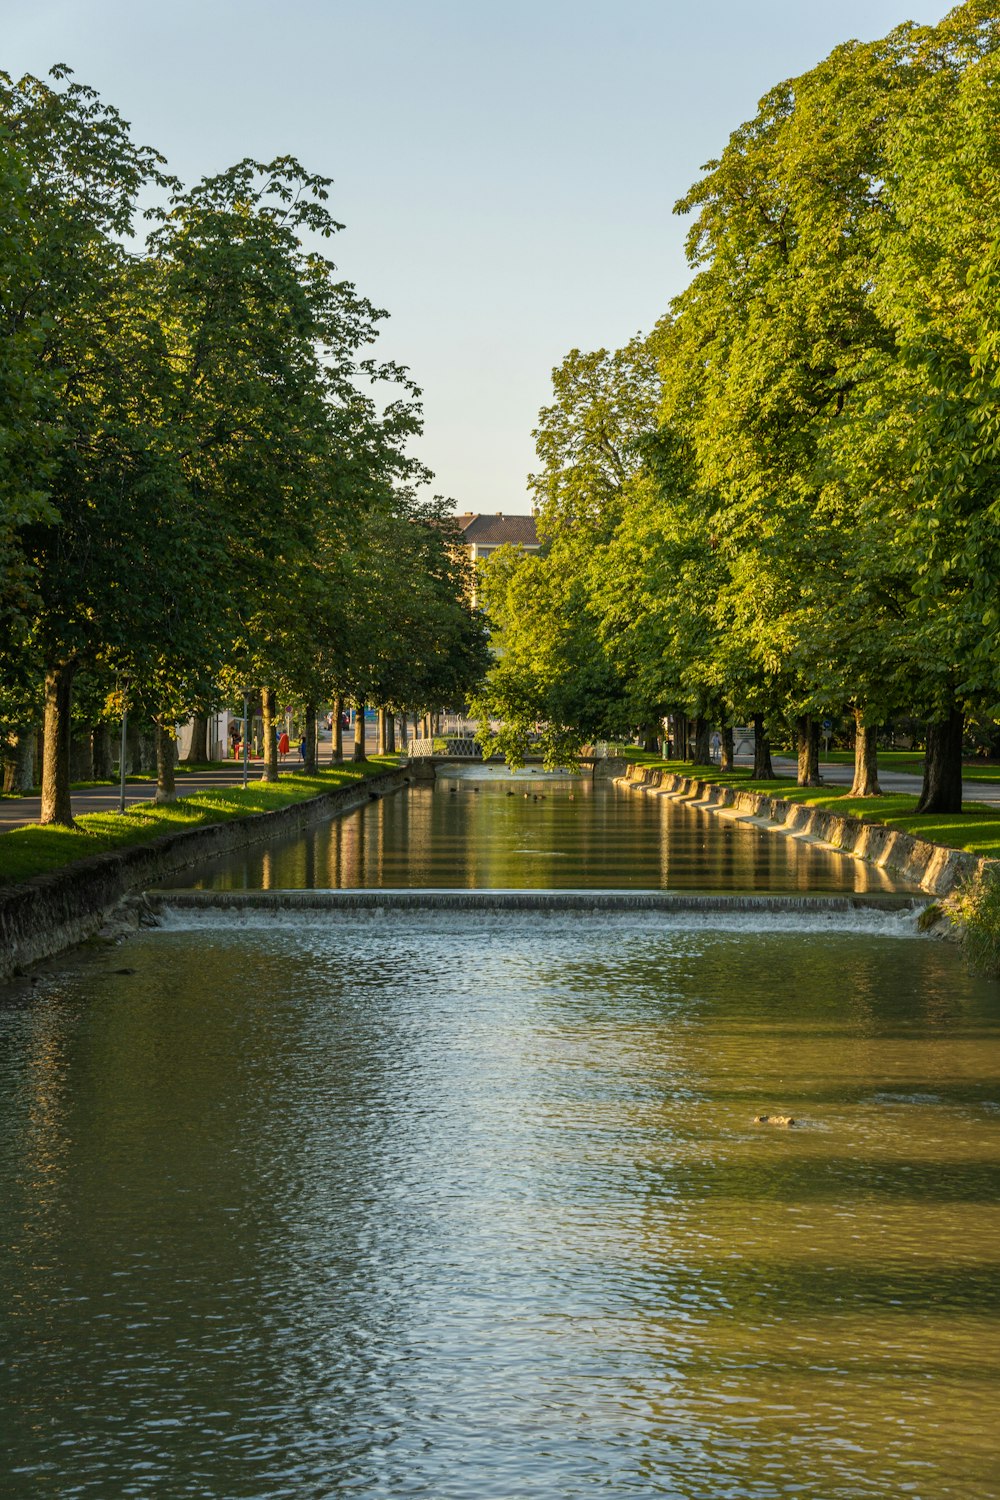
(473, 1207)
(494, 830)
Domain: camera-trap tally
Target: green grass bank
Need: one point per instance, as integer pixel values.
(976, 830)
(37, 850)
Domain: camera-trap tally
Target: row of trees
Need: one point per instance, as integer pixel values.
(198, 488)
(784, 503)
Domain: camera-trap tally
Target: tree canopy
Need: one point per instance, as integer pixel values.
(198, 489)
(782, 505)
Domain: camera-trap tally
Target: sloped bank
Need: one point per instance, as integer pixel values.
(936, 869)
(49, 913)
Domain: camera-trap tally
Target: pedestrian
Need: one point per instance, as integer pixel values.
(302, 749)
(716, 745)
(283, 744)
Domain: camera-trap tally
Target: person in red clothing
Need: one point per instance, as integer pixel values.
(283, 744)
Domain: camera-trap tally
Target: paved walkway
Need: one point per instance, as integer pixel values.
(17, 812)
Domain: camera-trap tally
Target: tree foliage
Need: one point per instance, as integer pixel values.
(198, 490)
(783, 504)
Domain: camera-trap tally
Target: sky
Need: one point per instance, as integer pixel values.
(505, 170)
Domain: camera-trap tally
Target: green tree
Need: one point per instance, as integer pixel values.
(67, 288)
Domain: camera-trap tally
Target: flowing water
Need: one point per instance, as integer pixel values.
(470, 1205)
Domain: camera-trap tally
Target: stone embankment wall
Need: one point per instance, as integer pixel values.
(932, 867)
(49, 913)
(609, 769)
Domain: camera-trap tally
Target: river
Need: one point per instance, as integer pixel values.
(469, 1205)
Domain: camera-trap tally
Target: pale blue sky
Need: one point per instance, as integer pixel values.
(506, 171)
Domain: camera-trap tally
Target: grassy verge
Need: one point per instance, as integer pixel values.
(976, 830)
(35, 850)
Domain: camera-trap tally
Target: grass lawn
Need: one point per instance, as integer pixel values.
(977, 829)
(35, 850)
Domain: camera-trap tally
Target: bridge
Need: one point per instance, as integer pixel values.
(465, 749)
(446, 747)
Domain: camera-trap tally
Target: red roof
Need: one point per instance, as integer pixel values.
(493, 531)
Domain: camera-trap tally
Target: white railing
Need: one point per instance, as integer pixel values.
(460, 747)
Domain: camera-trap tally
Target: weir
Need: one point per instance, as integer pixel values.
(410, 899)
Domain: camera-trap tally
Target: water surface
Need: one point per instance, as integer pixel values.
(474, 1209)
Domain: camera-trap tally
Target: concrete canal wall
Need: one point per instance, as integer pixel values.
(49, 913)
(933, 867)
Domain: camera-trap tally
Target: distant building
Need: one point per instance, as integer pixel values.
(483, 534)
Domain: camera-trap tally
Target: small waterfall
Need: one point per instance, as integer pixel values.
(747, 911)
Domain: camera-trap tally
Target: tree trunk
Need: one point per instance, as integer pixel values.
(390, 734)
(81, 756)
(133, 748)
(727, 761)
(942, 788)
(165, 750)
(865, 782)
(702, 742)
(147, 751)
(650, 739)
(359, 732)
(762, 767)
(680, 736)
(102, 752)
(403, 734)
(310, 765)
(198, 748)
(19, 762)
(338, 730)
(56, 804)
(807, 736)
(267, 699)
(380, 742)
